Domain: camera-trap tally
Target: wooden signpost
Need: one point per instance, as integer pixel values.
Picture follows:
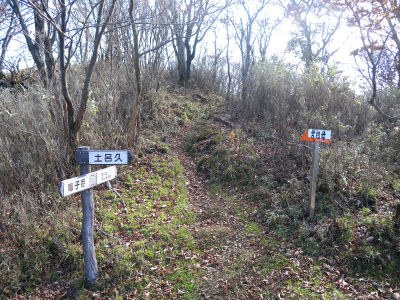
(316, 136)
(86, 181)
(103, 157)
(84, 184)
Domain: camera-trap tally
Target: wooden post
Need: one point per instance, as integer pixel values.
(314, 174)
(91, 270)
(396, 217)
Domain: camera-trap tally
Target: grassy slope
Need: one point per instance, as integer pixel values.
(247, 237)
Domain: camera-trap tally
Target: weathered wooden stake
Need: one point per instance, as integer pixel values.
(314, 174)
(91, 270)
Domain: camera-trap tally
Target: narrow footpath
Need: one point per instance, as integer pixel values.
(244, 260)
(229, 247)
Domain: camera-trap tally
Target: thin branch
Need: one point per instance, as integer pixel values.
(47, 18)
(107, 234)
(280, 140)
(116, 194)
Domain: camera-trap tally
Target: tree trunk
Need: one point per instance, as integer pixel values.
(32, 46)
(7, 40)
(49, 59)
(181, 60)
(396, 217)
(228, 92)
(100, 27)
(69, 112)
(308, 54)
(135, 123)
(87, 231)
(74, 123)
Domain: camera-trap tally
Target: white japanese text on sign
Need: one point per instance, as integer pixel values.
(319, 135)
(104, 158)
(87, 181)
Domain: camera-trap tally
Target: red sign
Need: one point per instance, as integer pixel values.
(317, 135)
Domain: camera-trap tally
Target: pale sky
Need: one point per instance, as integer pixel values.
(346, 38)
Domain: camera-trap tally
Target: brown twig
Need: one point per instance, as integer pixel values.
(107, 234)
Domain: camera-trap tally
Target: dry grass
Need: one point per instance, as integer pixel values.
(39, 231)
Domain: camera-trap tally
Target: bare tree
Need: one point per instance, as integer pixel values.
(8, 20)
(142, 31)
(44, 37)
(216, 57)
(313, 37)
(135, 110)
(149, 34)
(190, 21)
(245, 39)
(228, 64)
(378, 26)
(102, 17)
(266, 26)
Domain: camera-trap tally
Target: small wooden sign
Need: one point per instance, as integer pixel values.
(317, 135)
(103, 157)
(87, 181)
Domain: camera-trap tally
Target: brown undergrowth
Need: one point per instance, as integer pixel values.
(225, 223)
(352, 230)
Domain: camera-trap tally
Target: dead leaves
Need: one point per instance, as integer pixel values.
(225, 252)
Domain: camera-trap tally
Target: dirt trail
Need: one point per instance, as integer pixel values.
(244, 260)
(229, 248)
